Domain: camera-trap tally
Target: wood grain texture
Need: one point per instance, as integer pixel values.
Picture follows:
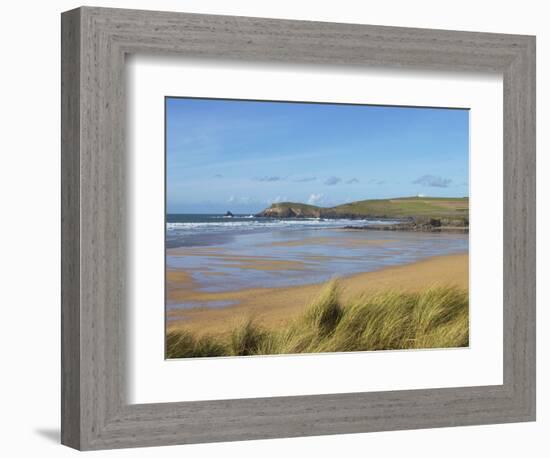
(96, 414)
(70, 229)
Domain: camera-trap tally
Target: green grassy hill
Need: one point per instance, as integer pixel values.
(417, 208)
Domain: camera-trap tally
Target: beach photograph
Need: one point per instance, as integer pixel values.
(300, 227)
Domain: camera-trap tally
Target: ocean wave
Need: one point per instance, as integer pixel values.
(251, 224)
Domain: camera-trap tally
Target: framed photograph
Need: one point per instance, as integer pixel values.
(301, 262)
(277, 228)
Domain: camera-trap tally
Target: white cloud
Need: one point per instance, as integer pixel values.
(315, 198)
(240, 200)
(433, 181)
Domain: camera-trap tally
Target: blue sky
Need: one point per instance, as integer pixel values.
(244, 155)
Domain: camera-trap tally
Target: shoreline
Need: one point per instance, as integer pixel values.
(402, 227)
(284, 303)
(411, 227)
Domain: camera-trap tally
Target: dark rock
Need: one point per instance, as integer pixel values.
(290, 211)
(412, 227)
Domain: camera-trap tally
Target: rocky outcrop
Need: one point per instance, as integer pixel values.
(432, 215)
(290, 211)
(228, 214)
(421, 224)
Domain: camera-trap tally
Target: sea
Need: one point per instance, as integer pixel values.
(225, 253)
(213, 229)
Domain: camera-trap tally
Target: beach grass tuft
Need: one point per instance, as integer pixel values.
(434, 318)
(184, 345)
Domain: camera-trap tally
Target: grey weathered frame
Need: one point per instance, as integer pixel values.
(95, 414)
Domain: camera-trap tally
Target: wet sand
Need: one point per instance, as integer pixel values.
(273, 307)
(328, 241)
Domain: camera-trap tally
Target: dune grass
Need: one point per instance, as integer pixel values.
(434, 318)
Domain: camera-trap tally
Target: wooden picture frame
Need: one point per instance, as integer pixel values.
(95, 412)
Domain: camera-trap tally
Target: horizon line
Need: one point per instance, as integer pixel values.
(318, 206)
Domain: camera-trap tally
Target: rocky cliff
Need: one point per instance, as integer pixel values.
(290, 210)
(424, 213)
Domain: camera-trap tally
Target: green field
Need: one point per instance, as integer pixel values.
(433, 318)
(448, 208)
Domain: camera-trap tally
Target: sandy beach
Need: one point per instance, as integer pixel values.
(273, 307)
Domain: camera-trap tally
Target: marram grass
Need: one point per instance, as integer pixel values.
(434, 318)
